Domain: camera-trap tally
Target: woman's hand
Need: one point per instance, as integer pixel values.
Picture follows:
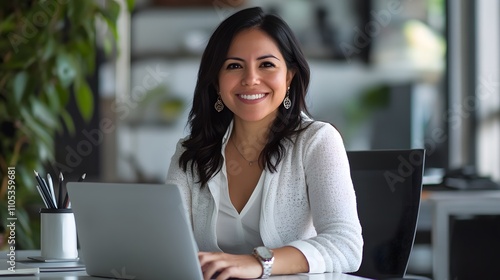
(228, 265)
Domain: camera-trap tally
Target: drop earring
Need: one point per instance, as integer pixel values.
(219, 106)
(287, 103)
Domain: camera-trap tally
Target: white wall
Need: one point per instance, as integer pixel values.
(488, 87)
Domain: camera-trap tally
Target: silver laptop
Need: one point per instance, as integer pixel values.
(134, 231)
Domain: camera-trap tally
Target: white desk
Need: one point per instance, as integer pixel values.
(446, 204)
(20, 255)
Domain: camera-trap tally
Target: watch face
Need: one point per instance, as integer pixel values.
(264, 252)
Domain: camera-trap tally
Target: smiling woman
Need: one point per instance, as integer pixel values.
(295, 209)
(254, 78)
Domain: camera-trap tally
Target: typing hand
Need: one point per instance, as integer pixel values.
(229, 266)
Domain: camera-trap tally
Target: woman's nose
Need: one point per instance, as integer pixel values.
(250, 77)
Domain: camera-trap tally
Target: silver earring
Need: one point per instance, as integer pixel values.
(219, 106)
(287, 103)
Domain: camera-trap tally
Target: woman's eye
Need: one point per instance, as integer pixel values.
(233, 66)
(267, 64)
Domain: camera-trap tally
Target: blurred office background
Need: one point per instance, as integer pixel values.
(378, 74)
(388, 74)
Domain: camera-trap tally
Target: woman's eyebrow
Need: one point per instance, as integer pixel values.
(258, 58)
(267, 56)
(234, 58)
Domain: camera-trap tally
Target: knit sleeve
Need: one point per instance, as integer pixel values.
(177, 176)
(338, 244)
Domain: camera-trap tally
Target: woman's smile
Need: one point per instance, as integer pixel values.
(252, 98)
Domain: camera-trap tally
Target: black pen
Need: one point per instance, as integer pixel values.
(44, 183)
(44, 190)
(41, 195)
(60, 195)
(46, 187)
(82, 177)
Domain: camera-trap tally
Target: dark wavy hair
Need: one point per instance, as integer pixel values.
(204, 144)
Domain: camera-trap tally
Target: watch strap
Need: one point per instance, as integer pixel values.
(267, 264)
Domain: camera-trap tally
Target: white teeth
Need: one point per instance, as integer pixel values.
(252, 97)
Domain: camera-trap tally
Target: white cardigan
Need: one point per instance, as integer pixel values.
(309, 203)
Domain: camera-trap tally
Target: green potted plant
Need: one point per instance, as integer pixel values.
(47, 50)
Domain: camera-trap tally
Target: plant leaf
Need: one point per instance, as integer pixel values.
(84, 100)
(111, 11)
(110, 14)
(68, 121)
(49, 49)
(53, 100)
(34, 130)
(130, 5)
(66, 69)
(26, 177)
(63, 94)
(43, 114)
(20, 81)
(108, 45)
(45, 151)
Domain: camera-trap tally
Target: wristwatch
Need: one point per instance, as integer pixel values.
(266, 258)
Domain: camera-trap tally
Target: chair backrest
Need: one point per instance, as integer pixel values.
(388, 185)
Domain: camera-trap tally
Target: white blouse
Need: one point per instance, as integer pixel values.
(238, 233)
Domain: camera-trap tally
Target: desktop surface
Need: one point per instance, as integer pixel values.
(24, 254)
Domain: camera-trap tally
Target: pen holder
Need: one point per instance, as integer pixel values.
(58, 234)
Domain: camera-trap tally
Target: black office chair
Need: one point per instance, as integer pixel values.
(388, 185)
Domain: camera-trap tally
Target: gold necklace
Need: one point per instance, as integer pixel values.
(250, 162)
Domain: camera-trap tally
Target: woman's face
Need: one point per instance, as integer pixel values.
(253, 80)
